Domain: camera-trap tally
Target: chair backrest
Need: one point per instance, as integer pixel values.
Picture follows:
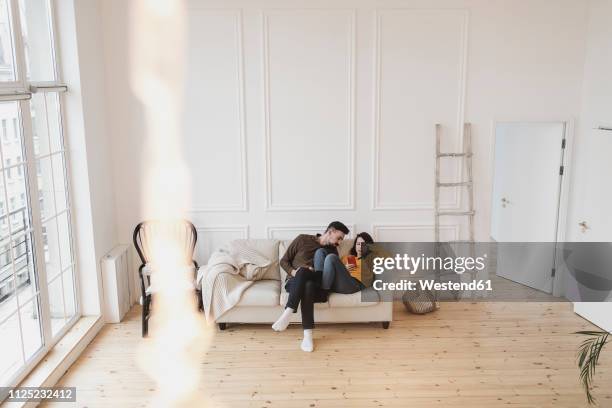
(182, 231)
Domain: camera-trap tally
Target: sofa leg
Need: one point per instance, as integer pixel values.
(222, 326)
(385, 325)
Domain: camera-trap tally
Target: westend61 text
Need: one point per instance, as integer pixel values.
(432, 284)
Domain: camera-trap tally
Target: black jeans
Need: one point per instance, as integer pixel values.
(305, 288)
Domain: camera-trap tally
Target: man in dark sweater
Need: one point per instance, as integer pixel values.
(304, 283)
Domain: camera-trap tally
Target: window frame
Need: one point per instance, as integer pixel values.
(20, 91)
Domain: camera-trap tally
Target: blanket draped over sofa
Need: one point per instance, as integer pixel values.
(230, 271)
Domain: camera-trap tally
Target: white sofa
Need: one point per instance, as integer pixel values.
(264, 301)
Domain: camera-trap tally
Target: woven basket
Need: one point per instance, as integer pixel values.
(420, 301)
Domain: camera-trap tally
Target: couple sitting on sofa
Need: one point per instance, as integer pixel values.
(314, 269)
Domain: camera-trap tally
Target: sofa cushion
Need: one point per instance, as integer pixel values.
(261, 293)
(345, 247)
(269, 249)
(354, 299)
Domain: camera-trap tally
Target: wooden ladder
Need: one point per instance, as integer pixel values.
(466, 155)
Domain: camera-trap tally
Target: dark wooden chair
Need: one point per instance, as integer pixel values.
(185, 233)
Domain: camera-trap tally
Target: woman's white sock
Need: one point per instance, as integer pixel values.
(307, 343)
(283, 321)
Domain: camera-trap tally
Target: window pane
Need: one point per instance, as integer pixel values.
(59, 181)
(63, 224)
(4, 222)
(7, 67)
(24, 268)
(4, 209)
(10, 349)
(8, 300)
(8, 304)
(10, 139)
(54, 120)
(69, 293)
(56, 305)
(31, 327)
(19, 212)
(46, 123)
(5, 256)
(39, 125)
(45, 187)
(52, 251)
(37, 40)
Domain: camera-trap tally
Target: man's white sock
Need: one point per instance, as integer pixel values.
(283, 321)
(307, 343)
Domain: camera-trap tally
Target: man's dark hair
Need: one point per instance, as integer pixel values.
(337, 225)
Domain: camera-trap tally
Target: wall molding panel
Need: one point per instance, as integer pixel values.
(212, 237)
(452, 229)
(238, 30)
(301, 229)
(346, 19)
(242, 229)
(379, 114)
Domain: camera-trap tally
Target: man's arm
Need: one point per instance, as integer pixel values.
(286, 261)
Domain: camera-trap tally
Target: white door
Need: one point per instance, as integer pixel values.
(525, 201)
(592, 190)
(594, 223)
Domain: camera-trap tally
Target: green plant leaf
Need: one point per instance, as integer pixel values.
(588, 357)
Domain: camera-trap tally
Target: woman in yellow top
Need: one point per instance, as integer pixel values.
(353, 261)
(342, 275)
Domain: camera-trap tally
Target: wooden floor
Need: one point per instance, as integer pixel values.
(464, 355)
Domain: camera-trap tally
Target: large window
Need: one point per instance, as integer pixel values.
(38, 296)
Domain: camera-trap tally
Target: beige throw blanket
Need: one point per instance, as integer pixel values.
(230, 271)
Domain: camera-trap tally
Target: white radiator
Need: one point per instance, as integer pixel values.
(116, 283)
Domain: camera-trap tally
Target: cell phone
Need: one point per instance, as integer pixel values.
(352, 260)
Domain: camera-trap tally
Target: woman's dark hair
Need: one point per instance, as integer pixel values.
(363, 235)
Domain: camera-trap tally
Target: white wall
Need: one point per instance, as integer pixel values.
(85, 125)
(593, 149)
(304, 112)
